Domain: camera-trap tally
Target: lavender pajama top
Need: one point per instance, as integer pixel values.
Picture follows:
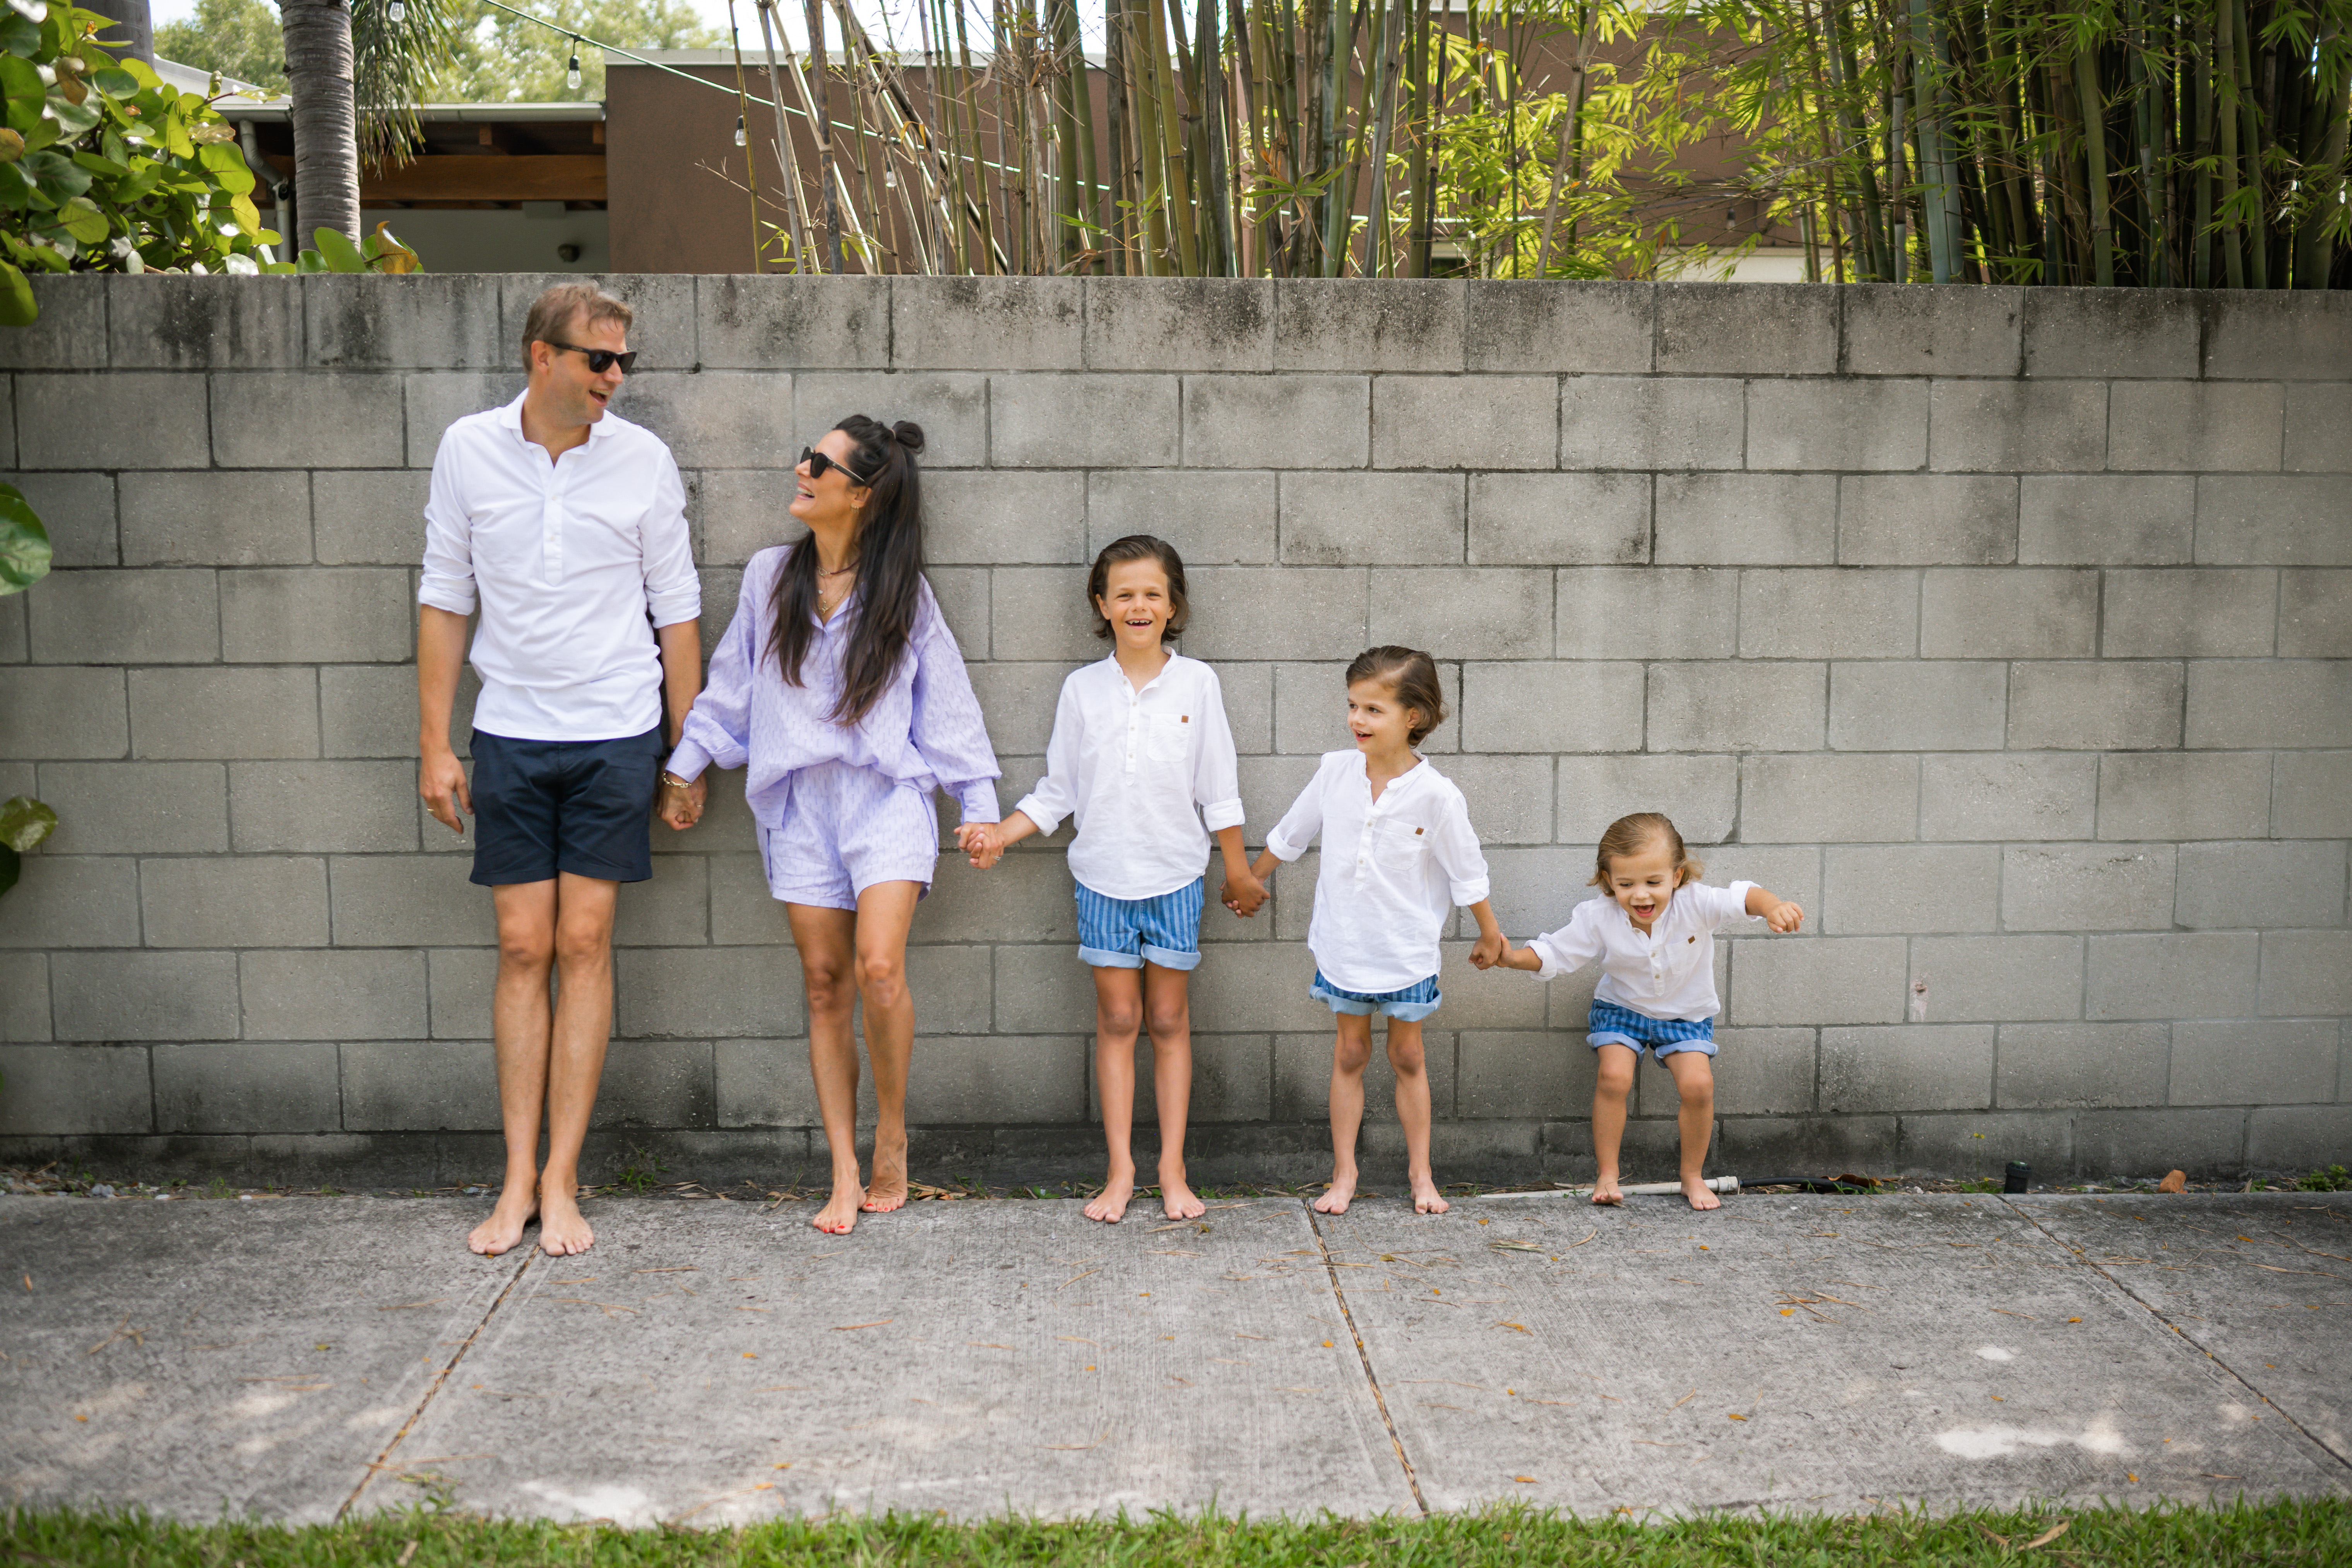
(924, 732)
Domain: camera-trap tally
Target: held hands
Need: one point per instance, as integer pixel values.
(1243, 892)
(1784, 917)
(983, 841)
(681, 806)
(441, 780)
(1491, 949)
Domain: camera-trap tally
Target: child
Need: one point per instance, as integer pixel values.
(1398, 854)
(1654, 936)
(1142, 756)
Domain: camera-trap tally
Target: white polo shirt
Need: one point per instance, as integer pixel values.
(1150, 775)
(573, 564)
(1667, 973)
(1392, 871)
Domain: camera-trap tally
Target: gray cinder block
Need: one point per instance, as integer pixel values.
(2319, 430)
(2087, 887)
(1372, 519)
(322, 993)
(1083, 421)
(2283, 519)
(1710, 706)
(1510, 797)
(441, 1086)
(1892, 329)
(1948, 705)
(1746, 329)
(2314, 614)
(1700, 794)
(369, 709)
(79, 510)
(1251, 612)
(717, 419)
(1996, 426)
(306, 419)
(1214, 519)
(137, 808)
(2184, 794)
(1927, 519)
(2196, 426)
(1040, 613)
(69, 333)
(71, 901)
(2241, 1063)
(1180, 324)
(234, 902)
(144, 995)
(2172, 974)
(409, 900)
(240, 1088)
(1540, 706)
(2081, 1064)
(1990, 979)
(1818, 980)
(1004, 519)
(2209, 612)
(1327, 324)
(987, 323)
(2125, 519)
(672, 910)
(2202, 1143)
(367, 517)
(2103, 331)
(196, 519)
(1578, 328)
(1693, 611)
(1831, 614)
(1837, 425)
(439, 321)
(1730, 519)
(2257, 336)
(72, 710)
(1277, 422)
(1544, 519)
(68, 1091)
(1651, 422)
(951, 405)
(337, 614)
(78, 421)
(1464, 422)
(2084, 705)
(1475, 612)
(2312, 795)
(434, 400)
(1805, 798)
(770, 322)
(215, 712)
(2012, 612)
(1913, 1067)
(2262, 702)
(1763, 1072)
(153, 616)
(1933, 888)
(315, 807)
(998, 1080)
(2296, 1137)
(2304, 973)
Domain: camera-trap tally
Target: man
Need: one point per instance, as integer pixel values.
(566, 524)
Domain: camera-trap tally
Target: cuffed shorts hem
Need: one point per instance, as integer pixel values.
(1409, 1005)
(1610, 1025)
(1661, 1049)
(1127, 934)
(841, 893)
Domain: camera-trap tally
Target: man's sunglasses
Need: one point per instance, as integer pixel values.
(599, 360)
(818, 463)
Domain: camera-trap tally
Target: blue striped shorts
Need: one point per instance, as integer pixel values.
(1408, 1005)
(1610, 1025)
(1127, 934)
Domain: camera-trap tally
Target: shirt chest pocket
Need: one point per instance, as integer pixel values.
(1168, 737)
(1400, 848)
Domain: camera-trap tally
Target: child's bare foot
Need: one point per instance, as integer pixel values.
(562, 1230)
(1176, 1199)
(1110, 1206)
(839, 1215)
(1604, 1190)
(1701, 1196)
(1338, 1196)
(516, 1207)
(887, 1190)
(1425, 1196)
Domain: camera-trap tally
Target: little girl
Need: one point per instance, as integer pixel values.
(1654, 936)
(1142, 756)
(1398, 854)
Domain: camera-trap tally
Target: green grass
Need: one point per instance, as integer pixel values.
(2287, 1530)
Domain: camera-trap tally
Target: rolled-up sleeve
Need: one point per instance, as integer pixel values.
(1056, 795)
(1301, 822)
(1216, 772)
(673, 591)
(718, 726)
(949, 731)
(1572, 946)
(1720, 907)
(1458, 852)
(447, 580)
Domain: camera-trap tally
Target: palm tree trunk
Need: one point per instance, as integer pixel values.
(318, 35)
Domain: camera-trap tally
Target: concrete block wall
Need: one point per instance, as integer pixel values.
(2006, 630)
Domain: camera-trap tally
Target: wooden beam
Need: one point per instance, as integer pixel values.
(527, 177)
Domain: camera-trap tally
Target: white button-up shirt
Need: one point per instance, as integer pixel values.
(1393, 869)
(1150, 775)
(1667, 973)
(567, 560)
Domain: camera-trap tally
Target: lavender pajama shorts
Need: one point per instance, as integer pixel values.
(845, 829)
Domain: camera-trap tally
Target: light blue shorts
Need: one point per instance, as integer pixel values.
(845, 829)
(1610, 1025)
(1410, 1006)
(1127, 934)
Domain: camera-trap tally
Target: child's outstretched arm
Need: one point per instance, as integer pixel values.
(1243, 891)
(1556, 954)
(986, 842)
(1492, 946)
(1291, 834)
(1778, 913)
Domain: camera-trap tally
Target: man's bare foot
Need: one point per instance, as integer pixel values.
(1701, 1197)
(1604, 1190)
(562, 1230)
(1110, 1206)
(518, 1207)
(887, 1190)
(1425, 1199)
(839, 1215)
(1338, 1196)
(1176, 1199)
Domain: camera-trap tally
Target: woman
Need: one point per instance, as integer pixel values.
(841, 688)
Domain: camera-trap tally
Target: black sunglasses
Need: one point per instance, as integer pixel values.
(818, 463)
(599, 360)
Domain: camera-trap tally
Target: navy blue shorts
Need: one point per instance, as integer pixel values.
(582, 806)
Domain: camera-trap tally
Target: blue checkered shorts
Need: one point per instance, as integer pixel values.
(1408, 1005)
(1126, 933)
(1610, 1025)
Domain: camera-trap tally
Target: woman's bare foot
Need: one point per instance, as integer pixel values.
(1110, 1206)
(839, 1215)
(1425, 1199)
(1176, 1199)
(562, 1230)
(1604, 1190)
(516, 1207)
(1338, 1196)
(1701, 1196)
(887, 1190)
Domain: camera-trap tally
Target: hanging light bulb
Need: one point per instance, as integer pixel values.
(740, 137)
(890, 175)
(397, 11)
(572, 71)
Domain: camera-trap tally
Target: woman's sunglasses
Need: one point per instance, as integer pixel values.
(599, 360)
(818, 463)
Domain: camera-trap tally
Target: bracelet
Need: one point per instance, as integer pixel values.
(670, 778)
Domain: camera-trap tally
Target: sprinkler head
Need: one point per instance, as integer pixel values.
(2014, 1178)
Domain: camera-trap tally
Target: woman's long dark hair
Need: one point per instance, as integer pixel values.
(888, 551)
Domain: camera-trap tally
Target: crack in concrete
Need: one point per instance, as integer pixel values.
(2158, 1314)
(1371, 1378)
(384, 1461)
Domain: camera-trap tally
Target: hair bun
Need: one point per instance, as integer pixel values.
(909, 435)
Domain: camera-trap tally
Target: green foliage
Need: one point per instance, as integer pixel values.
(498, 57)
(24, 543)
(24, 823)
(380, 252)
(643, 1173)
(104, 167)
(2313, 1530)
(238, 38)
(2335, 1179)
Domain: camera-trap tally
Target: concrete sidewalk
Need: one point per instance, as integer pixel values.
(717, 1363)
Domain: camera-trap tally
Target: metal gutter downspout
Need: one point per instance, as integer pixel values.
(279, 187)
